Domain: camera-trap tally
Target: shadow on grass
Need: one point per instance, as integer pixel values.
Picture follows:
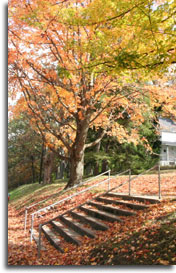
(150, 246)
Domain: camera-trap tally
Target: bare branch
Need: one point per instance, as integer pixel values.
(88, 145)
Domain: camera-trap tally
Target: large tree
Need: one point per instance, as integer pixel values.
(70, 61)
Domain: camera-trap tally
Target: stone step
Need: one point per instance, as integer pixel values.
(52, 238)
(93, 222)
(112, 209)
(116, 202)
(129, 197)
(68, 234)
(77, 226)
(100, 214)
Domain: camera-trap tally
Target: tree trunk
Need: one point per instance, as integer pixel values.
(104, 165)
(105, 162)
(89, 169)
(96, 167)
(48, 164)
(76, 170)
(60, 170)
(33, 169)
(77, 152)
(77, 155)
(41, 162)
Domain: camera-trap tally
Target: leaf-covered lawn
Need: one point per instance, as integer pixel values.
(148, 238)
(151, 245)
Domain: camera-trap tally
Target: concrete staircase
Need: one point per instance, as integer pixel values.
(88, 217)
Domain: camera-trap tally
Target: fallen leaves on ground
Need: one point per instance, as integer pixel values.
(153, 244)
(148, 238)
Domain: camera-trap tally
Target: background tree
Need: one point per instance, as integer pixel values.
(122, 156)
(71, 59)
(24, 153)
(29, 161)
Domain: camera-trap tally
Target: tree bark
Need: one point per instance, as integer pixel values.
(105, 162)
(104, 165)
(60, 170)
(77, 154)
(41, 162)
(33, 169)
(96, 167)
(76, 169)
(48, 164)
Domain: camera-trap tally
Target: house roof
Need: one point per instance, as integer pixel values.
(167, 125)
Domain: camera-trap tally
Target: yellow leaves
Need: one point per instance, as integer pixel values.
(93, 263)
(80, 115)
(137, 117)
(19, 107)
(84, 57)
(110, 257)
(52, 142)
(163, 262)
(173, 260)
(49, 145)
(66, 249)
(102, 120)
(164, 96)
(92, 260)
(134, 136)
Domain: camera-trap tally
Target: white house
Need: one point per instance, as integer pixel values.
(168, 142)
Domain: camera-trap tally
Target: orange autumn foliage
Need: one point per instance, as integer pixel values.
(72, 74)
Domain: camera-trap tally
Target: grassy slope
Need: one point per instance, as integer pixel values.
(151, 245)
(148, 240)
(28, 194)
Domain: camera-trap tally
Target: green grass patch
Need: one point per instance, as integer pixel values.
(23, 190)
(27, 194)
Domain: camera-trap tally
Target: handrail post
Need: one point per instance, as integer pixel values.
(25, 219)
(39, 241)
(159, 182)
(32, 224)
(26, 211)
(129, 182)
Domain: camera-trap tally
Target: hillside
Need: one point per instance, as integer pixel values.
(146, 239)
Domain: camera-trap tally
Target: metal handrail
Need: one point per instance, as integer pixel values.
(121, 173)
(63, 200)
(128, 181)
(75, 194)
(138, 175)
(144, 172)
(44, 223)
(69, 197)
(64, 191)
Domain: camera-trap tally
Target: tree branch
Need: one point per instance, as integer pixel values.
(93, 143)
(51, 148)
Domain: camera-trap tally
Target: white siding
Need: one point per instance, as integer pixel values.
(168, 137)
(172, 153)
